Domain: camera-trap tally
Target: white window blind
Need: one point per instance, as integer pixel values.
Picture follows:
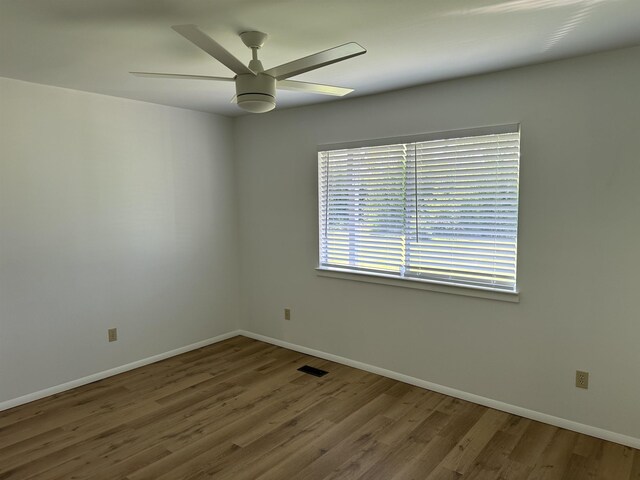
(443, 210)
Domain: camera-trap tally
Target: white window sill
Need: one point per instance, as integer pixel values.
(513, 297)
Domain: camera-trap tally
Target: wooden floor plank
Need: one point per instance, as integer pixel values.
(493, 456)
(635, 470)
(461, 458)
(533, 442)
(616, 462)
(240, 410)
(453, 419)
(554, 461)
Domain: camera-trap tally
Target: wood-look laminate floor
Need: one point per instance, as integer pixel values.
(240, 410)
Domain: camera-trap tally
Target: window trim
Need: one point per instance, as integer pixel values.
(409, 282)
(419, 284)
(422, 137)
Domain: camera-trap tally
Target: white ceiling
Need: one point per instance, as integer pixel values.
(91, 44)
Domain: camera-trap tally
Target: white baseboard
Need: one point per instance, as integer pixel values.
(111, 372)
(487, 402)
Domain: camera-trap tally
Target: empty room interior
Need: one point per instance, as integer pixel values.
(278, 239)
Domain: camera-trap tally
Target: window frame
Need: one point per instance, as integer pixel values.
(412, 282)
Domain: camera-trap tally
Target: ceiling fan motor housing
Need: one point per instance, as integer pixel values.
(256, 93)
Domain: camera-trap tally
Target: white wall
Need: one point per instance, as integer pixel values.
(578, 246)
(113, 213)
(120, 213)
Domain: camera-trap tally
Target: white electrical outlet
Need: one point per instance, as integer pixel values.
(582, 379)
(113, 334)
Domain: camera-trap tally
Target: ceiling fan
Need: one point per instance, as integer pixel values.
(255, 86)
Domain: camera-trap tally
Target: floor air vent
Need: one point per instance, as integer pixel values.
(316, 372)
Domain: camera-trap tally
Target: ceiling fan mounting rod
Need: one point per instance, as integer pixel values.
(253, 39)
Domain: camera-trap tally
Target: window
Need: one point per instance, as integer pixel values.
(441, 209)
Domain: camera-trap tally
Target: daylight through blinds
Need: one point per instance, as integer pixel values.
(440, 210)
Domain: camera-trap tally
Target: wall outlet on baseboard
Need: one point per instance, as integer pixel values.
(287, 314)
(113, 334)
(582, 379)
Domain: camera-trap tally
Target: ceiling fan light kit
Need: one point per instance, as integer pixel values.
(255, 86)
(256, 93)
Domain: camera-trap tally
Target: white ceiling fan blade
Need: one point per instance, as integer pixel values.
(306, 87)
(179, 76)
(213, 48)
(317, 60)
